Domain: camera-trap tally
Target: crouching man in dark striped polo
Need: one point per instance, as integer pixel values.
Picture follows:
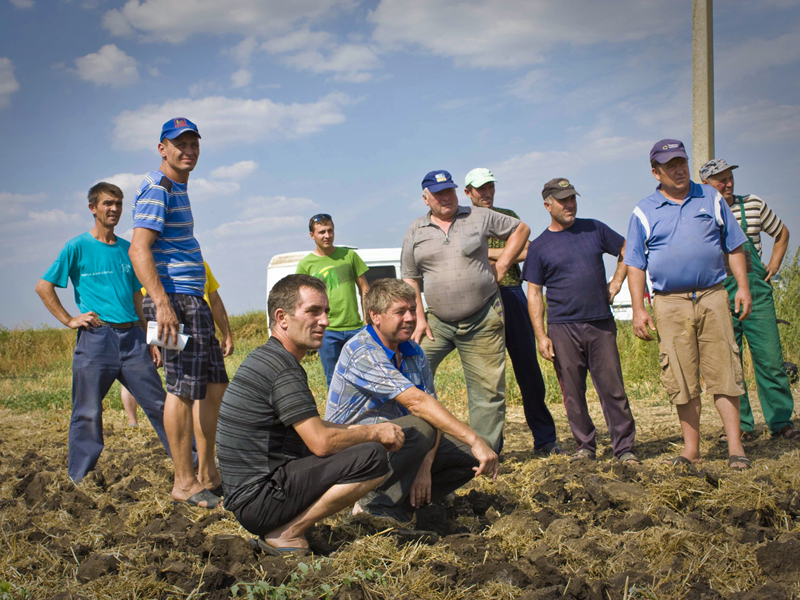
(283, 468)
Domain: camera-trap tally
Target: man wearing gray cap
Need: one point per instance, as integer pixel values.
(581, 333)
(479, 186)
(678, 235)
(761, 328)
(448, 249)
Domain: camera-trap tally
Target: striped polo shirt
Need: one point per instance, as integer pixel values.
(163, 206)
(759, 218)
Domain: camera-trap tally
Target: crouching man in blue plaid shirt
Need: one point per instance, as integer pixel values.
(383, 375)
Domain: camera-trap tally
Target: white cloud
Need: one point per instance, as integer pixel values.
(749, 57)
(54, 216)
(241, 78)
(14, 205)
(514, 33)
(347, 62)
(530, 87)
(238, 170)
(127, 182)
(225, 121)
(153, 72)
(302, 39)
(22, 3)
(761, 122)
(108, 66)
(261, 215)
(243, 50)
(202, 190)
(8, 83)
(157, 19)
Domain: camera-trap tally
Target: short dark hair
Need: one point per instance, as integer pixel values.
(320, 219)
(383, 292)
(286, 294)
(104, 188)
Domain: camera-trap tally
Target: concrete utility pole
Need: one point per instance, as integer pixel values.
(702, 85)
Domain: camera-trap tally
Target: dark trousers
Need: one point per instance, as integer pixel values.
(521, 346)
(592, 347)
(452, 468)
(102, 355)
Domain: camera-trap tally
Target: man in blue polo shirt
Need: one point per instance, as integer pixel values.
(383, 375)
(678, 234)
(169, 263)
(111, 342)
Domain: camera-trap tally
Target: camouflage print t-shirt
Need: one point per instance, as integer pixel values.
(513, 276)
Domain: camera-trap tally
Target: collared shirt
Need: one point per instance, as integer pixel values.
(513, 275)
(163, 206)
(369, 376)
(681, 245)
(454, 267)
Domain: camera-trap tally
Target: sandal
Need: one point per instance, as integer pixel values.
(732, 460)
(787, 432)
(582, 454)
(629, 458)
(745, 436)
(677, 461)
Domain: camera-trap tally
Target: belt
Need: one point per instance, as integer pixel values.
(119, 325)
(689, 293)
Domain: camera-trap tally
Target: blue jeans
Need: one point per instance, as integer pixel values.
(331, 348)
(521, 346)
(102, 355)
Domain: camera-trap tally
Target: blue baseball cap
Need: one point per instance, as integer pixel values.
(436, 181)
(665, 150)
(174, 127)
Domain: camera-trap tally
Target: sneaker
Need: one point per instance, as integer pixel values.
(549, 449)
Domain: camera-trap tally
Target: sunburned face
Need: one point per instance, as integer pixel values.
(323, 235)
(674, 175)
(563, 211)
(443, 204)
(397, 324)
(482, 196)
(307, 325)
(723, 182)
(181, 154)
(108, 210)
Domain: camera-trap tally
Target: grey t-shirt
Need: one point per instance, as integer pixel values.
(455, 268)
(254, 433)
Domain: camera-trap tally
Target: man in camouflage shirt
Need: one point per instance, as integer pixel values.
(520, 341)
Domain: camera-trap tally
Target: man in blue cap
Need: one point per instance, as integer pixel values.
(678, 235)
(448, 249)
(169, 264)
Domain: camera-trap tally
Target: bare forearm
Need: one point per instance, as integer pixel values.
(428, 408)
(515, 244)
(738, 265)
(779, 248)
(536, 311)
(144, 265)
(622, 269)
(495, 253)
(220, 314)
(636, 285)
(47, 293)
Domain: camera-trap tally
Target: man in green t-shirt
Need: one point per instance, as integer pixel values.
(342, 270)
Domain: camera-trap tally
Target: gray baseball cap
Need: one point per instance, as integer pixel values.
(559, 188)
(714, 167)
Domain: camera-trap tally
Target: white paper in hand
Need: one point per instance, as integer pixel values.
(152, 337)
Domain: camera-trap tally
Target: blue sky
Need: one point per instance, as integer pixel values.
(342, 106)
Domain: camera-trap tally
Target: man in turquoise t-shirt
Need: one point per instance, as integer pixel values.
(111, 342)
(342, 270)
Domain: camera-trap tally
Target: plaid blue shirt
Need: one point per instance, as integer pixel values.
(367, 380)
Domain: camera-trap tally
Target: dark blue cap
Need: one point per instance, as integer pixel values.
(174, 127)
(665, 150)
(436, 181)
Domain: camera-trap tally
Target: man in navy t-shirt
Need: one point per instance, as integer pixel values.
(581, 335)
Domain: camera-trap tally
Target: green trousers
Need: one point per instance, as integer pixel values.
(761, 331)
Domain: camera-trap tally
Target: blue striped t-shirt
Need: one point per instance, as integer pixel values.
(163, 206)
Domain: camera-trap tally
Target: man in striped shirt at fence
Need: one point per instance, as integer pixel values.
(168, 262)
(761, 329)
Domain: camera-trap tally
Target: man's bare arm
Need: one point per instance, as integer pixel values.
(536, 312)
(363, 288)
(324, 438)
(778, 252)
(422, 322)
(514, 245)
(642, 321)
(494, 253)
(743, 303)
(221, 319)
(617, 280)
(144, 265)
(427, 407)
(47, 292)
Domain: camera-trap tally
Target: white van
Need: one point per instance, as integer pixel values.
(382, 263)
(385, 262)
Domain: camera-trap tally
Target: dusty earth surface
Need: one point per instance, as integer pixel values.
(547, 529)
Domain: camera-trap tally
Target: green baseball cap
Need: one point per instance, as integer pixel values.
(477, 177)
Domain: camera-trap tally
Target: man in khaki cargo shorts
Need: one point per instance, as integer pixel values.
(679, 234)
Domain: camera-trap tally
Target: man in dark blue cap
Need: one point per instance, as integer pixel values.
(168, 262)
(678, 235)
(448, 249)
